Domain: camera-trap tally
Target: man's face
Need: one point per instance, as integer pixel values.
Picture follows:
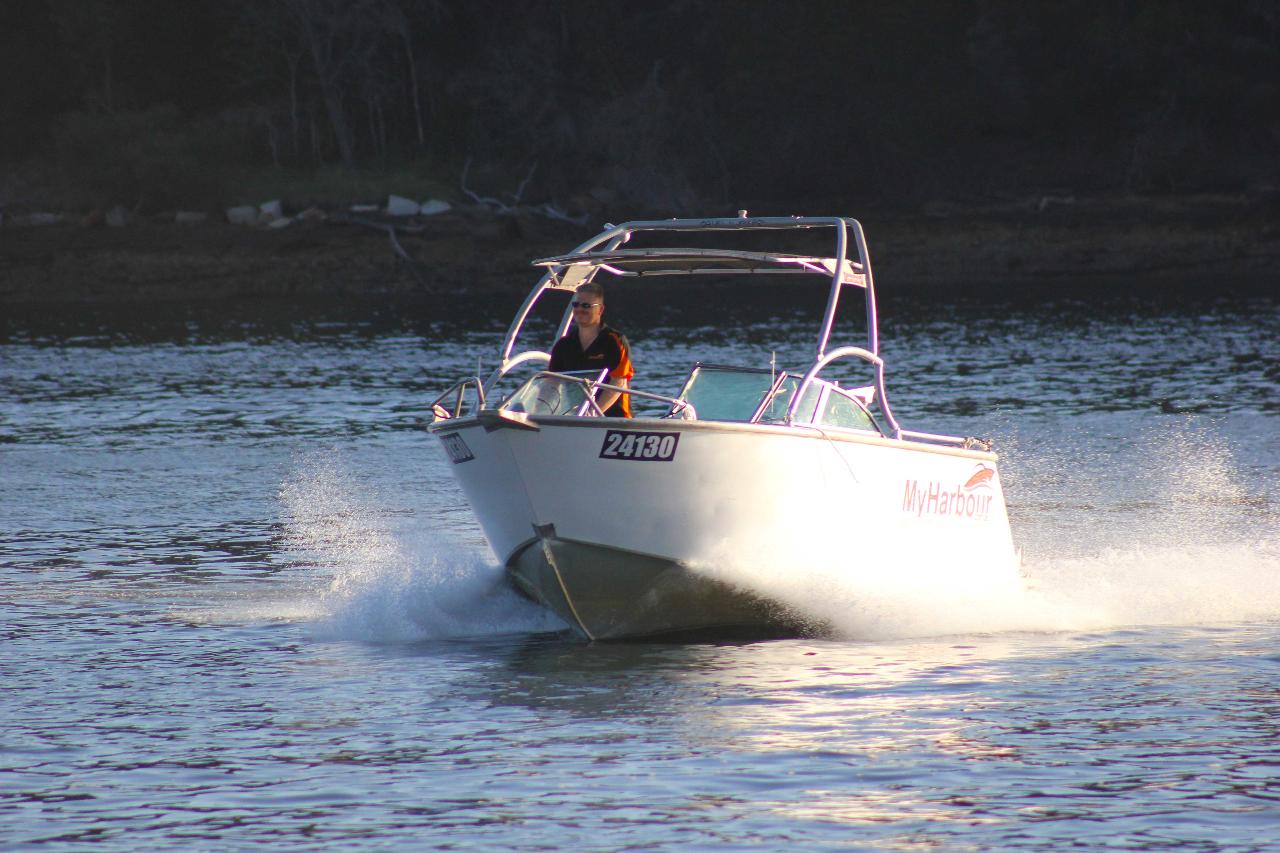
(587, 308)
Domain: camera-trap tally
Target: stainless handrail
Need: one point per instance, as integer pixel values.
(508, 364)
(443, 414)
(842, 352)
(967, 442)
(590, 403)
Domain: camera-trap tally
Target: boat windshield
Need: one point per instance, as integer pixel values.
(775, 412)
(548, 394)
(846, 412)
(738, 393)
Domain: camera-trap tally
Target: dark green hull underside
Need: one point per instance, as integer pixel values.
(610, 594)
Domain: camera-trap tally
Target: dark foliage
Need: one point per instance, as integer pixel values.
(666, 104)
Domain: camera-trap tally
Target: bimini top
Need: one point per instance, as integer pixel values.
(570, 270)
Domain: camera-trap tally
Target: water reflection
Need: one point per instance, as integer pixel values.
(783, 696)
(985, 731)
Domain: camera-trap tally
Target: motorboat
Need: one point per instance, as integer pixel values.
(625, 528)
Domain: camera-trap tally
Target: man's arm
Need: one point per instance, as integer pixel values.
(620, 371)
(608, 398)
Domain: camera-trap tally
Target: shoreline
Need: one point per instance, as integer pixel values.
(472, 251)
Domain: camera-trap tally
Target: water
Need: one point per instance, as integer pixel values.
(243, 604)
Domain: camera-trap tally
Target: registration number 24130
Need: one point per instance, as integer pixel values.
(639, 446)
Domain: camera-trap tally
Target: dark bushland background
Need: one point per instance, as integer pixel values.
(664, 104)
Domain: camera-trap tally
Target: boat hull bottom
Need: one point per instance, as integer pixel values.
(608, 593)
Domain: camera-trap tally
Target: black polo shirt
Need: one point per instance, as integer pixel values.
(610, 349)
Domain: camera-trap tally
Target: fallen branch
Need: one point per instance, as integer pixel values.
(478, 199)
(520, 189)
(548, 209)
(551, 211)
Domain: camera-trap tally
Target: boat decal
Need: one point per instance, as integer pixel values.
(981, 476)
(456, 448)
(639, 446)
(970, 500)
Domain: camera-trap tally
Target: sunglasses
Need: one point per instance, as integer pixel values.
(584, 304)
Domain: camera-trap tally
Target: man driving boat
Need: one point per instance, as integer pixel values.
(591, 345)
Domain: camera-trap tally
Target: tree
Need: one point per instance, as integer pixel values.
(96, 32)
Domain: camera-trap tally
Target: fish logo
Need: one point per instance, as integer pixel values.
(981, 477)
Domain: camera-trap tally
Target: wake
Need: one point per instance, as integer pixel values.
(385, 577)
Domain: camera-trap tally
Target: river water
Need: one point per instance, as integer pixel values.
(244, 605)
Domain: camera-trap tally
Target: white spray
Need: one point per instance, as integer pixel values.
(387, 576)
(1161, 532)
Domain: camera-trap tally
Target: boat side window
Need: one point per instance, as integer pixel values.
(844, 411)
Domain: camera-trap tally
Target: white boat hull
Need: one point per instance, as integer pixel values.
(630, 538)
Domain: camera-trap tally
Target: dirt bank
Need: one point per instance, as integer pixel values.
(149, 262)
(468, 250)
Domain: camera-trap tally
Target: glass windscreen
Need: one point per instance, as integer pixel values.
(548, 395)
(734, 394)
(726, 393)
(776, 410)
(842, 411)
